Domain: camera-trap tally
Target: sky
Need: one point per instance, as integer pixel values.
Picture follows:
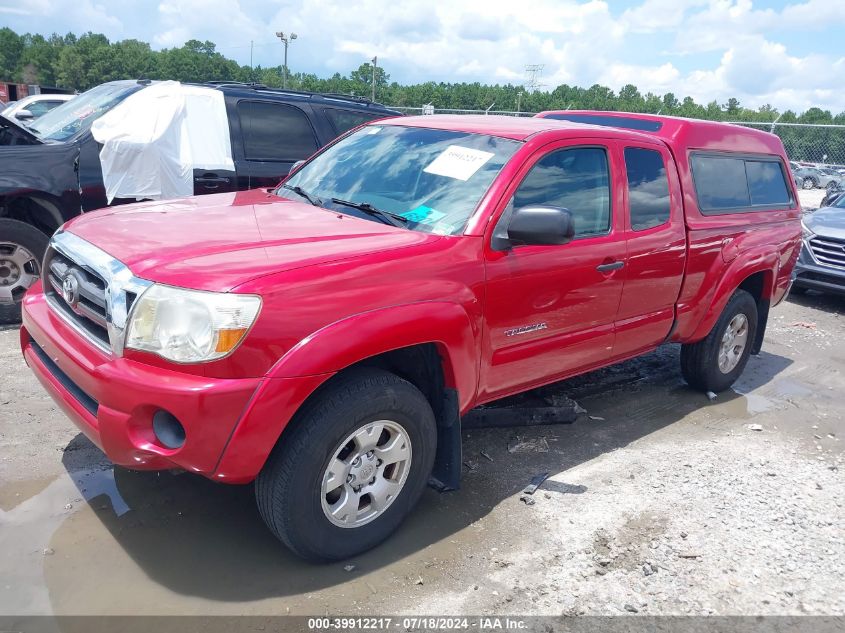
(788, 54)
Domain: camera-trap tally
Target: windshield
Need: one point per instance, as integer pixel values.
(433, 179)
(79, 113)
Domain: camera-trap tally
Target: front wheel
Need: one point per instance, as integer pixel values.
(22, 247)
(808, 183)
(714, 363)
(351, 469)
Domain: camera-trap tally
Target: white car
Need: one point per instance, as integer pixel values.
(32, 107)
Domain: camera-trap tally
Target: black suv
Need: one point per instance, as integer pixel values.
(52, 172)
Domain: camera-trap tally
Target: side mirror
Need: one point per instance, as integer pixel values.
(296, 166)
(24, 115)
(540, 226)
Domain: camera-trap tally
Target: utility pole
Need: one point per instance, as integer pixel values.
(251, 67)
(534, 72)
(375, 63)
(286, 39)
(518, 101)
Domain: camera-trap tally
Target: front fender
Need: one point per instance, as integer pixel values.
(361, 336)
(315, 359)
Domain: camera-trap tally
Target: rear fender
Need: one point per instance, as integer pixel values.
(740, 269)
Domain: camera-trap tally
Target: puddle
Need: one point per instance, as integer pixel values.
(190, 546)
(788, 388)
(747, 405)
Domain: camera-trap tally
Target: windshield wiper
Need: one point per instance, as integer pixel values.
(304, 194)
(393, 219)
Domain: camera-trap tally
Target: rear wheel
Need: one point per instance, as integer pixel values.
(714, 363)
(22, 247)
(352, 467)
(808, 183)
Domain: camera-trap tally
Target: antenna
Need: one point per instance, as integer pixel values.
(533, 74)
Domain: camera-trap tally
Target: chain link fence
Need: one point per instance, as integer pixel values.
(811, 144)
(818, 145)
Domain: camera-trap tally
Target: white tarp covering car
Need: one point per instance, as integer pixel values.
(155, 139)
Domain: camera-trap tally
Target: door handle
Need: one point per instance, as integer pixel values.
(211, 180)
(606, 268)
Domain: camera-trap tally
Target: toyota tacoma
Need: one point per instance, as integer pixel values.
(323, 338)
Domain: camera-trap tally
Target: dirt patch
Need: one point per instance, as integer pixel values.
(658, 501)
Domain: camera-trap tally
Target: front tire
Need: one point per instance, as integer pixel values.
(714, 363)
(22, 248)
(352, 467)
(808, 183)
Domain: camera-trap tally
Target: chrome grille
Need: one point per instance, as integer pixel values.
(829, 251)
(90, 290)
(87, 307)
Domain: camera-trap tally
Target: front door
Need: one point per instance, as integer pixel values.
(550, 310)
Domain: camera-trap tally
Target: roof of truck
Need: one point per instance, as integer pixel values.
(512, 127)
(678, 132)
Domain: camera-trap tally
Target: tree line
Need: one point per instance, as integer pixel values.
(81, 62)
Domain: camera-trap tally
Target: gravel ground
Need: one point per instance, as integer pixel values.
(659, 501)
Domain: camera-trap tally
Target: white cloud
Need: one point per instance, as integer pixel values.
(708, 49)
(77, 15)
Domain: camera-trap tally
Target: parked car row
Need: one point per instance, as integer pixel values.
(816, 177)
(52, 169)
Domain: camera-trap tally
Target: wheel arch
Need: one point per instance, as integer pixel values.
(756, 277)
(430, 344)
(38, 209)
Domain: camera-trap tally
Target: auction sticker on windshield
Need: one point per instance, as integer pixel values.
(458, 162)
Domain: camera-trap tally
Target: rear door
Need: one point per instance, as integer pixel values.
(273, 136)
(656, 246)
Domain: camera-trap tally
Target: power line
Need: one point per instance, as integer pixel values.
(533, 74)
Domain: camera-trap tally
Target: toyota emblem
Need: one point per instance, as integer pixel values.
(70, 289)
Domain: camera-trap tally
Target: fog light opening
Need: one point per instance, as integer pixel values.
(168, 430)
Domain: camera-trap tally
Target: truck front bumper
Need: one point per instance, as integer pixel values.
(113, 400)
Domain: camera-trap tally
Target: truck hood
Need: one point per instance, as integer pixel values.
(827, 222)
(221, 241)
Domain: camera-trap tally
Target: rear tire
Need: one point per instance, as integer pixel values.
(325, 492)
(714, 363)
(22, 249)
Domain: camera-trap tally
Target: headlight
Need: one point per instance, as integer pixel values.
(190, 326)
(805, 232)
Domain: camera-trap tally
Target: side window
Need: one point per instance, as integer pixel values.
(577, 179)
(344, 120)
(648, 188)
(41, 107)
(726, 184)
(275, 132)
(720, 183)
(766, 183)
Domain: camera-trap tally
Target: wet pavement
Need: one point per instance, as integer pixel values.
(732, 519)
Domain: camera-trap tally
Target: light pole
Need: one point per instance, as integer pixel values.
(375, 63)
(286, 39)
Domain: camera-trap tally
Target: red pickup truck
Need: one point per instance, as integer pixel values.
(323, 338)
